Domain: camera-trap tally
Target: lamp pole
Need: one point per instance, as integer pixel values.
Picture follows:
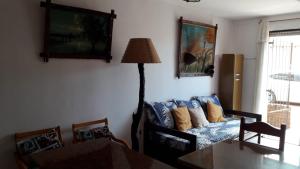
(137, 116)
(140, 51)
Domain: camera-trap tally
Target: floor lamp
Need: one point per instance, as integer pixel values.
(140, 51)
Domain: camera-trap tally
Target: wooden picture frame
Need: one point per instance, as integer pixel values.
(196, 48)
(72, 32)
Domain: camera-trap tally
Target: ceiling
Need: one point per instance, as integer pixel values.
(241, 9)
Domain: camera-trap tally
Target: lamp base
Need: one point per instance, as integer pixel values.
(137, 116)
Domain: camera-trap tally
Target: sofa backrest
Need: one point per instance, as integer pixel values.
(204, 99)
(160, 113)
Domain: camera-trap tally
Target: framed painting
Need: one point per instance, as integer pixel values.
(72, 32)
(196, 49)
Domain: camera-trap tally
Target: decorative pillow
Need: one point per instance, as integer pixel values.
(204, 99)
(162, 111)
(36, 144)
(94, 133)
(84, 134)
(182, 118)
(198, 117)
(189, 104)
(215, 113)
(101, 132)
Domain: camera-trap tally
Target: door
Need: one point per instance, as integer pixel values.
(283, 84)
(238, 81)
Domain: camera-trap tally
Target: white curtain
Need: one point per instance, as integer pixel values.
(260, 101)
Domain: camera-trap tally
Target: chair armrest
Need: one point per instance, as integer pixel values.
(190, 137)
(244, 114)
(120, 141)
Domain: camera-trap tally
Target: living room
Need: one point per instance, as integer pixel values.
(36, 95)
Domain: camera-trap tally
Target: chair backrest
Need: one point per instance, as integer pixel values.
(77, 126)
(24, 135)
(104, 121)
(263, 128)
(27, 135)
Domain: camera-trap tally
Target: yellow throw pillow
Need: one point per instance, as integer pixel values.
(214, 112)
(182, 118)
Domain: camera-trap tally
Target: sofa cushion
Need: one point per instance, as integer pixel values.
(214, 112)
(216, 132)
(189, 104)
(198, 117)
(206, 136)
(182, 118)
(204, 99)
(160, 113)
(39, 143)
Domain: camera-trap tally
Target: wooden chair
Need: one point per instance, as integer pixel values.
(104, 121)
(24, 135)
(263, 128)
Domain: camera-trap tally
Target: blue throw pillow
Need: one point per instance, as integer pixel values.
(204, 99)
(192, 104)
(162, 111)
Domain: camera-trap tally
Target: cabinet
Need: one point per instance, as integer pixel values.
(231, 81)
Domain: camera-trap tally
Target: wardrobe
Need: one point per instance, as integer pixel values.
(231, 81)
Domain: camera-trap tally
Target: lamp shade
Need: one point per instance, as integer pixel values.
(140, 50)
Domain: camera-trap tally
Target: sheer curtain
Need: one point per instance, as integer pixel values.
(259, 101)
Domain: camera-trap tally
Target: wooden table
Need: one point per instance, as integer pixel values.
(97, 154)
(242, 155)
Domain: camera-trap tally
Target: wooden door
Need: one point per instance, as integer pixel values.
(238, 81)
(226, 81)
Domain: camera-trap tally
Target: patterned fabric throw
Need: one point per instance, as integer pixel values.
(36, 144)
(216, 132)
(204, 99)
(206, 136)
(192, 104)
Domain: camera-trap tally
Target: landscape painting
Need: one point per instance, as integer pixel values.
(78, 34)
(197, 49)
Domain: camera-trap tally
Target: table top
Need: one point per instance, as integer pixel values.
(242, 155)
(100, 153)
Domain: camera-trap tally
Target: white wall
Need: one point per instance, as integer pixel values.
(245, 42)
(36, 95)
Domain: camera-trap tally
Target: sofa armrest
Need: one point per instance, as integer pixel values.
(190, 137)
(243, 114)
